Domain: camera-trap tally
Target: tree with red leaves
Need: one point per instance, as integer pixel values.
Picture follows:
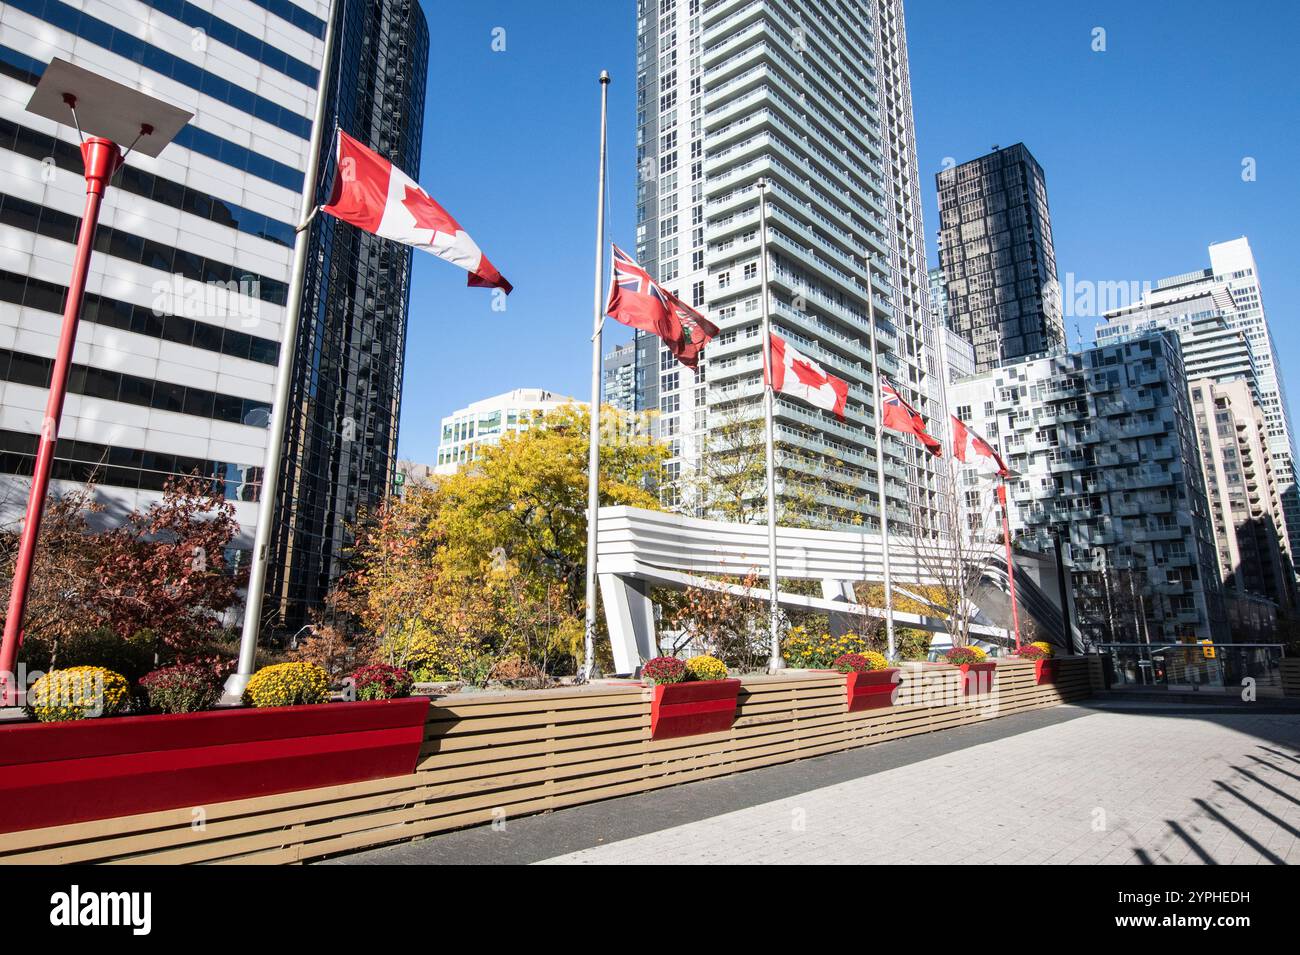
(164, 569)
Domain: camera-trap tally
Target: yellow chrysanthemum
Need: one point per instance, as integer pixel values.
(78, 693)
(288, 684)
(705, 667)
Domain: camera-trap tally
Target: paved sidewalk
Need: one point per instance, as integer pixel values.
(1083, 784)
(1112, 787)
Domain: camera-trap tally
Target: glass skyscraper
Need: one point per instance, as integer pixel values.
(998, 258)
(341, 453)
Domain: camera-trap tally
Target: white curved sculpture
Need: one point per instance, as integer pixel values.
(637, 548)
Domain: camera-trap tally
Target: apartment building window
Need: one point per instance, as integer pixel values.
(667, 227)
(697, 294)
(751, 271)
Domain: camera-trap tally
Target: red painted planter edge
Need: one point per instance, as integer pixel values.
(27, 743)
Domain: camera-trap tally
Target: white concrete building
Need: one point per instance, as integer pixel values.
(815, 99)
(466, 431)
(1254, 559)
(184, 314)
(1103, 442)
(1244, 480)
(618, 379)
(1233, 272)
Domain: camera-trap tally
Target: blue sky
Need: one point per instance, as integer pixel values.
(1143, 146)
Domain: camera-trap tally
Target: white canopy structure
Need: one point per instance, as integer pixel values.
(638, 549)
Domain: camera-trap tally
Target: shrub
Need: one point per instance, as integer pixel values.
(436, 657)
(101, 647)
(184, 688)
(476, 670)
(969, 654)
(1032, 651)
(288, 684)
(819, 651)
(516, 669)
(860, 662)
(381, 681)
(705, 667)
(664, 670)
(911, 644)
(78, 693)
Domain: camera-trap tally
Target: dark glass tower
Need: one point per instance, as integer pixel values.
(341, 443)
(996, 253)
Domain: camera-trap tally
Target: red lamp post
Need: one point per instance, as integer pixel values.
(116, 112)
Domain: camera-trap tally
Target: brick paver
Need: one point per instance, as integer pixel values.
(1110, 787)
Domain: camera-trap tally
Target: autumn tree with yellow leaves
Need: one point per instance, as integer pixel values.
(491, 560)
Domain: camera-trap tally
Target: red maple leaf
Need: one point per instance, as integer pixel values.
(806, 374)
(427, 213)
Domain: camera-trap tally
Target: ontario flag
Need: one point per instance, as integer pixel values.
(971, 449)
(797, 374)
(373, 194)
(638, 301)
(900, 416)
(695, 332)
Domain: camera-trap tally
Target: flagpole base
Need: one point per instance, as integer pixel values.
(232, 694)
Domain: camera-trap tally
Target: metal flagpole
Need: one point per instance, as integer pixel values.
(1011, 568)
(237, 682)
(593, 453)
(773, 578)
(880, 474)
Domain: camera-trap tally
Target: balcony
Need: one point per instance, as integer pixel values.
(1159, 533)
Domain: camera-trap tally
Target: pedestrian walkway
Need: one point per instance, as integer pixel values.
(1075, 784)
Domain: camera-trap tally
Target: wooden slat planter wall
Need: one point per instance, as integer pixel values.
(490, 756)
(1291, 676)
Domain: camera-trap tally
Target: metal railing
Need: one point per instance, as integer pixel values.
(1224, 668)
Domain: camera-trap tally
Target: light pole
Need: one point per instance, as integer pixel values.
(112, 113)
(773, 575)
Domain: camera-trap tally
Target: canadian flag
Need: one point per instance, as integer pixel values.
(972, 450)
(796, 374)
(373, 194)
